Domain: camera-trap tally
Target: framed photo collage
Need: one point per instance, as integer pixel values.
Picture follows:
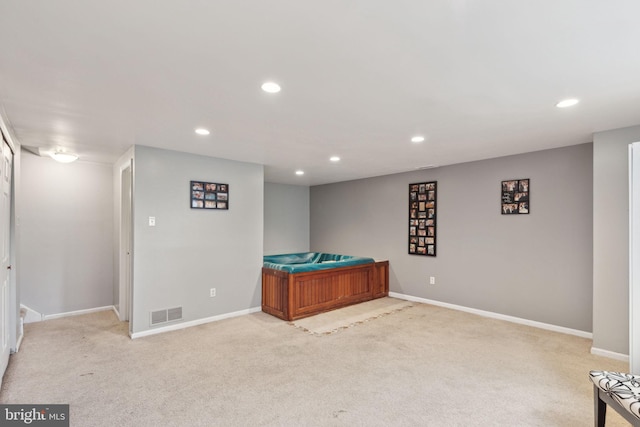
(422, 218)
(209, 195)
(515, 197)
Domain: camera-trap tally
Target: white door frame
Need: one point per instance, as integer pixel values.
(7, 294)
(126, 241)
(634, 258)
(16, 334)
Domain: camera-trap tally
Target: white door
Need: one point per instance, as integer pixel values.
(5, 255)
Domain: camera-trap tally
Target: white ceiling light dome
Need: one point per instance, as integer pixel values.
(271, 87)
(63, 157)
(567, 103)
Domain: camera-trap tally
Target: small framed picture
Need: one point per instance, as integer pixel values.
(209, 195)
(515, 197)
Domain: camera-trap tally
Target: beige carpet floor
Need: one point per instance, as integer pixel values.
(420, 366)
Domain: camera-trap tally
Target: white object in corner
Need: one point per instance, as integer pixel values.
(31, 316)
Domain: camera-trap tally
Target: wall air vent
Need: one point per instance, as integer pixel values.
(174, 314)
(166, 315)
(159, 316)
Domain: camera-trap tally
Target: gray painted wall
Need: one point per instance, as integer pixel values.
(66, 239)
(189, 250)
(611, 238)
(536, 266)
(286, 218)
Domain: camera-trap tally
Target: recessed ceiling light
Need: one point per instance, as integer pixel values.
(417, 138)
(299, 172)
(202, 131)
(63, 157)
(271, 87)
(567, 103)
(334, 158)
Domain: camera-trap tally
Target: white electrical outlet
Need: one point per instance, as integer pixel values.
(432, 280)
(212, 292)
(152, 221)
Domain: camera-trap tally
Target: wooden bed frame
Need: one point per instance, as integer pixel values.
(291, 296)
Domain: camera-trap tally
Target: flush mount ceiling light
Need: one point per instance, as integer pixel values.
(299, 172)
(567, 103)
(202, 131)
(418, 138)
(271, 87)
(62, 157)
(334, 159)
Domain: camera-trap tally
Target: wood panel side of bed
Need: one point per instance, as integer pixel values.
(275, 292)
(298, 295)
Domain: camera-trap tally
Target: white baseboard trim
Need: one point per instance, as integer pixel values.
(191, 323)
(498, 316)
(610, 354)
(77, 312)
(31, 316)
(19, 342)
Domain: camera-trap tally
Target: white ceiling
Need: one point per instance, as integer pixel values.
(478, 78)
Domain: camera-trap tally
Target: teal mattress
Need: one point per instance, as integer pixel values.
(311, 261)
